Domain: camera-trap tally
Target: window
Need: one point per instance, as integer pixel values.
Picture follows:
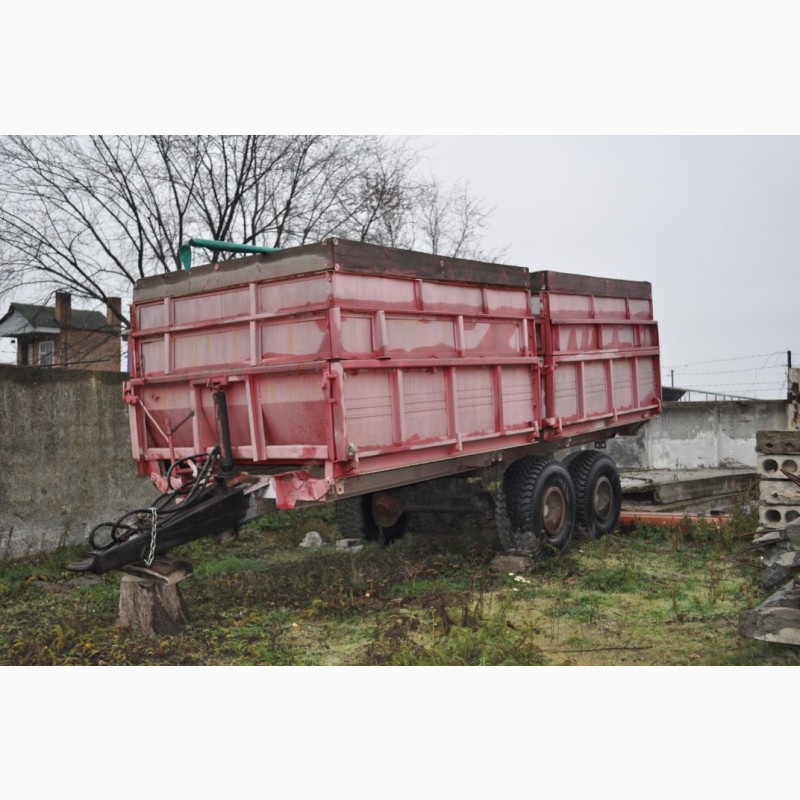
(30, 355)
(46, 352)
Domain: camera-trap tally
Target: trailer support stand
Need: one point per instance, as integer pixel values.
(150, 599)
(221, 406)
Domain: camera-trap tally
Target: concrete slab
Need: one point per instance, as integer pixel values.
(692, 490)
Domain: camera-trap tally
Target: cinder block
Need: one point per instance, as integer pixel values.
(777, 516)
(771, 466)
(768, 442)
(779, 493)
(353, 545)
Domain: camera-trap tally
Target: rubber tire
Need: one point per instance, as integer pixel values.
(388, 535)
(500, 516)
(530, 483)
(590, 470)
(354, 520)
(512, 539)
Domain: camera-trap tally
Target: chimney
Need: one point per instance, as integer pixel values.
(63, 309)
(114, 312)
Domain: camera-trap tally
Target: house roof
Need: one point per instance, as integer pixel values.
(22, 318)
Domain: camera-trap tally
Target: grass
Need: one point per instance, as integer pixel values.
(648, 596)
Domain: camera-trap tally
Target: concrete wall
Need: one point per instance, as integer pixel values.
(65, 458)
(692, 435)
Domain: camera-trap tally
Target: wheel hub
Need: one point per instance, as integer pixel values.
(554, 511)
(603, 499)
(386, 509)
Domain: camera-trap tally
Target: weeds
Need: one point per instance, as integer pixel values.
(650, 596)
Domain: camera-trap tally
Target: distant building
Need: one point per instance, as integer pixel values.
(60, 336)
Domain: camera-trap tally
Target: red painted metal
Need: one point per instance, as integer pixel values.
(341, 360)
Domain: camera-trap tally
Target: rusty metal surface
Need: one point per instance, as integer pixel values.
(372, 259)
(331, 254)
(550, 281)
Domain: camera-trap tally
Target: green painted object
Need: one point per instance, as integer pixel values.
(185, 251)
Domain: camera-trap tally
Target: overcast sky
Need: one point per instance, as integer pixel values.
(712, 222)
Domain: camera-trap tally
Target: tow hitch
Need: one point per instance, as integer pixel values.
(208, 503)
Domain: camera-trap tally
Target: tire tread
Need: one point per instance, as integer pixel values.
(580, 469)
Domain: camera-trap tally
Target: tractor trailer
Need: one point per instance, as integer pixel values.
(410, 390)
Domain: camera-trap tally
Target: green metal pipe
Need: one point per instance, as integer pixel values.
(185, 251)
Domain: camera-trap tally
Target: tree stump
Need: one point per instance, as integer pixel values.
(149, 597)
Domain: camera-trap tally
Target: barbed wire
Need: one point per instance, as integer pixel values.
(769, 377)
(757, 377)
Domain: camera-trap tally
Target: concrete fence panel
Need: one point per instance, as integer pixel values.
(65, 457)
(697, 435)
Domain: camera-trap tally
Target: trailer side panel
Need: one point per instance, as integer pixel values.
(345, 360)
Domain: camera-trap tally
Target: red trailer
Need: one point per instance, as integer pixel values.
(405, 387)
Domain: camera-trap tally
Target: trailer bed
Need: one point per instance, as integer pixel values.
(348, 367)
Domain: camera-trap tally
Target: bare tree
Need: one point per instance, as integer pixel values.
(94, 214)
(452, 221)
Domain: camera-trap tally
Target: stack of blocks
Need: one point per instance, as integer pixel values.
(777, 619)
(778, 455)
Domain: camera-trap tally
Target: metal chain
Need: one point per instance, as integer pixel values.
(152, 553)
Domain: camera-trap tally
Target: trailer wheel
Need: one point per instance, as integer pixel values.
(500, 516)
(388, 535)
(355, 518)
(598, 493)
(387, 514)
(541, 505)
